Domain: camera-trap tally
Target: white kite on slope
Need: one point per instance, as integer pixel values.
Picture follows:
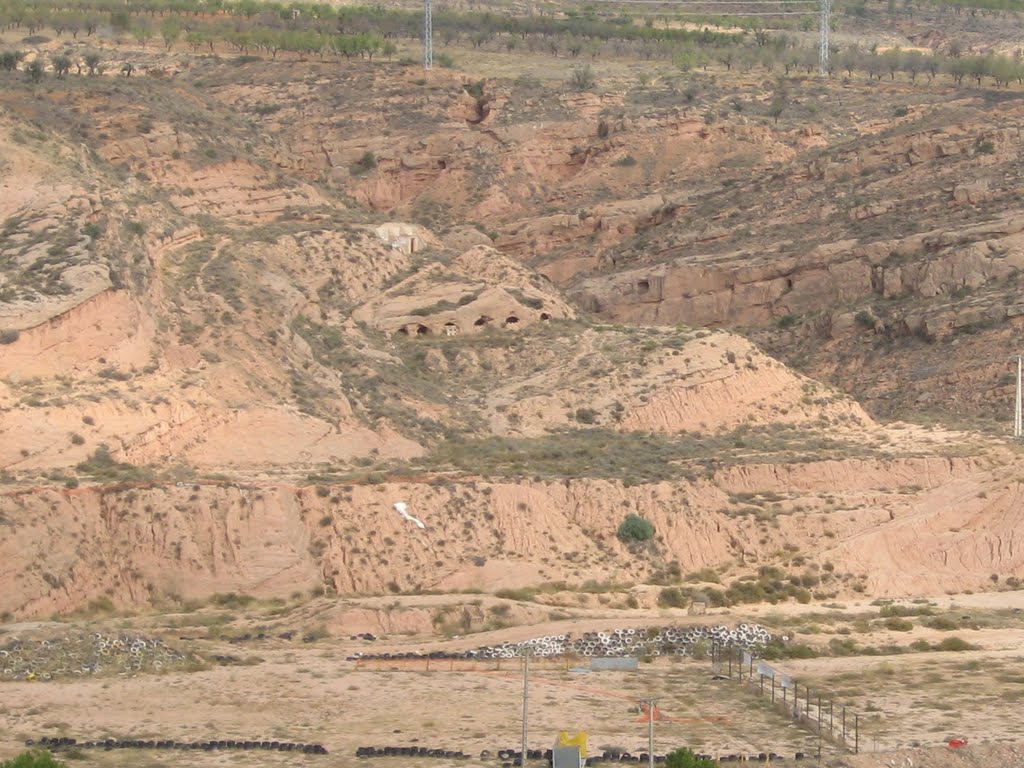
(400, 507)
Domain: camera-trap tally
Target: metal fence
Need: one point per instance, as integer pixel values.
(808, 707)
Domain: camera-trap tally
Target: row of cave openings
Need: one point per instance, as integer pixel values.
(451, 328)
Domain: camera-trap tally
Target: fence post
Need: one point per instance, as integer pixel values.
(844, 725)
(762, 684)
(831, 718)
(856, 733)
(773, 689)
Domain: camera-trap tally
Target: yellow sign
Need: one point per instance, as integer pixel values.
(579, 740)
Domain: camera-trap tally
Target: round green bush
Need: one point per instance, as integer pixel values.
(685, 758)
(35, 758)
(636, 528)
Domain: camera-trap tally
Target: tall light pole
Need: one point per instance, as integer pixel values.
(428, 35)
(650, 732)
(826, 12)
(526, 679)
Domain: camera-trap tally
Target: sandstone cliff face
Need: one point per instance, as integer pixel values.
(750, 289)
(887, 525)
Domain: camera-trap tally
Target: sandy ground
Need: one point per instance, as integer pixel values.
(311, 692)
(312, 695)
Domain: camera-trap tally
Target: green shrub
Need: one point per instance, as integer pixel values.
(843, 646)
(582, 78)
(365, 164)
(865, 318)
(101, 604)
(33, 759)
(101, 465)
(232, 600)
(586, 415)
(704, 574)
(904, 610)
(944, 623)
(954, 644)
(777, 649)
(673, 597)
(9, 336)
(685, 758)
(635, 528)
(897, 624)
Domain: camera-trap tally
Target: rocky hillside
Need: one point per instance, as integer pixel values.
(883, 527)
(246, 307)
(873, 228)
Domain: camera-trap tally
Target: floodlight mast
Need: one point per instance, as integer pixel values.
(826, 12)
(526, 688)
(428, 35)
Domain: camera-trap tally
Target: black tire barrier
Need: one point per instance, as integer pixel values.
(512, 758)
(65, 742)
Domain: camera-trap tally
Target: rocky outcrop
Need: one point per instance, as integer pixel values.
(481, 290)
(745, 288)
